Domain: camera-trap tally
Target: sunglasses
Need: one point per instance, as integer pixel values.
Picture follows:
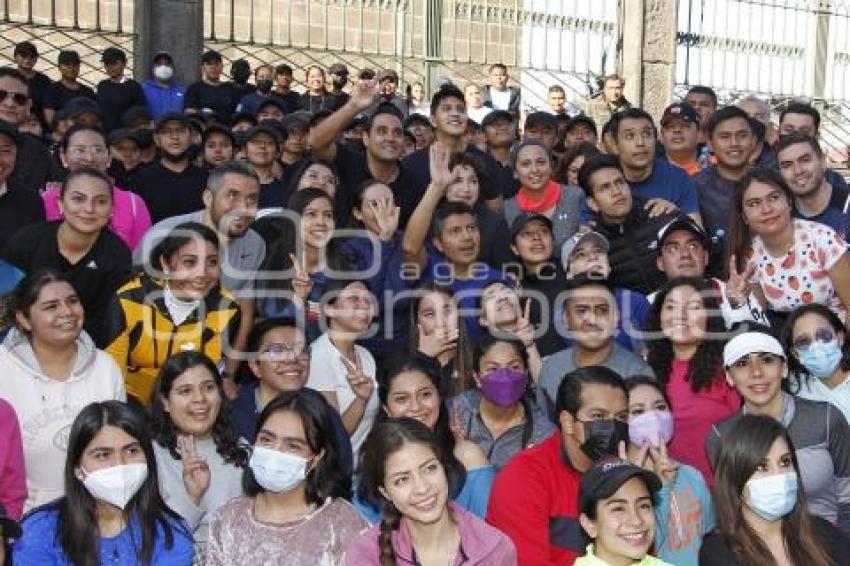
(18, 97)
(823, 335)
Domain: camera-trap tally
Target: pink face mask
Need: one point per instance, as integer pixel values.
(653, 427)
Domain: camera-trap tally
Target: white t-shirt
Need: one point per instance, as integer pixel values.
(328, 373)
(501, 99)
(477, 114)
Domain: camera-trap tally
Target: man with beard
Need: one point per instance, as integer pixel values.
(803, 166)
(382, 140)
(264, 79)
(590, 316)
(171, 185)
(230, 202)
(34, 166)
(534, 499)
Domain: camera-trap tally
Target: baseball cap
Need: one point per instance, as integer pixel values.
(541, 119)
(172, 117)
(122, 134)
(495, 115)
(680, 111)
(163, 55)
(68, 57)
(218, 129)
(296, 120)
(135, 113)
(262, 128)
(748, 343)
(524, 218)
(607, 476)
(11, 528)
(573, 242)
(583, 119)
(416, 118)
(338, 69)
(77, 106)
(682, 223)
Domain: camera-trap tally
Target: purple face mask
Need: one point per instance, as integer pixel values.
(653, 427)
(503, 387)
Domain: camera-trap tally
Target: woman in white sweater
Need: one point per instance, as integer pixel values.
(50, 370)
(198, 457)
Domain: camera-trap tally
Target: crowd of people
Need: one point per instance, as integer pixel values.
(248, 325)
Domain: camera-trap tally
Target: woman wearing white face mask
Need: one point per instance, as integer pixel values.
(112, 512)
(683, 509)
(755, 366)
(818, 356)
(295, 512)
(761, 507)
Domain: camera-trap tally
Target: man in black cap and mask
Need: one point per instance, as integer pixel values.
(264, 79)
(534, 499)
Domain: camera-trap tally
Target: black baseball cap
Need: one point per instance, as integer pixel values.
(680, 111)
(583, 119)
(524, 218)
(495, 115)
(218, 129)
(135, 113)
(541, 119)
(118, 135)
(606, 477)
(262, 128)
(417, 118)
(296, 121)
(11, 528)
(172, 117)
(271, 101)
(77, 106)
(682, 222)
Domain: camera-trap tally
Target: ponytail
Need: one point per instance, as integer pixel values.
(390, 520)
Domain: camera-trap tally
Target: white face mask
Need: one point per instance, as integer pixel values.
(116, 485)
(772, 497)
(163, 72)
(277, 471)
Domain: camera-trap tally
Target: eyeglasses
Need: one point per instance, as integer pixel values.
(18, 98)
(677, 247)
(285, 352)
(823, 335)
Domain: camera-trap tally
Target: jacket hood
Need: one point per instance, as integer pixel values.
(21, 353)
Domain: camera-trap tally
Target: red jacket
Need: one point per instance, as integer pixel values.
(534, 501)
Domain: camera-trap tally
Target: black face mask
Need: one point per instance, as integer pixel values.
(264, 85)
(355, 144)
(603, 437)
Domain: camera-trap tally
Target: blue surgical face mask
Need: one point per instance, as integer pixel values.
(772, 497)
(821, 359)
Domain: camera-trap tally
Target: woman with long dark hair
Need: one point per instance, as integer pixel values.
(762, 518)
(410, 389)
(501, 414)
(792, 261)
(307, 252)
(685, 330)
(182, 307)
(294, 511)
(112, 512)
(197, 450)
(438, 335)
(678, 535)
(818, 356)
(755, 365)
(406, 468)
(80, 245)
(50, 371)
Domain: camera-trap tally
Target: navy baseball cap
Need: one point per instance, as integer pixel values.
(680, 111)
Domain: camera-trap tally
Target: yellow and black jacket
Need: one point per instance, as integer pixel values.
(144, 336)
